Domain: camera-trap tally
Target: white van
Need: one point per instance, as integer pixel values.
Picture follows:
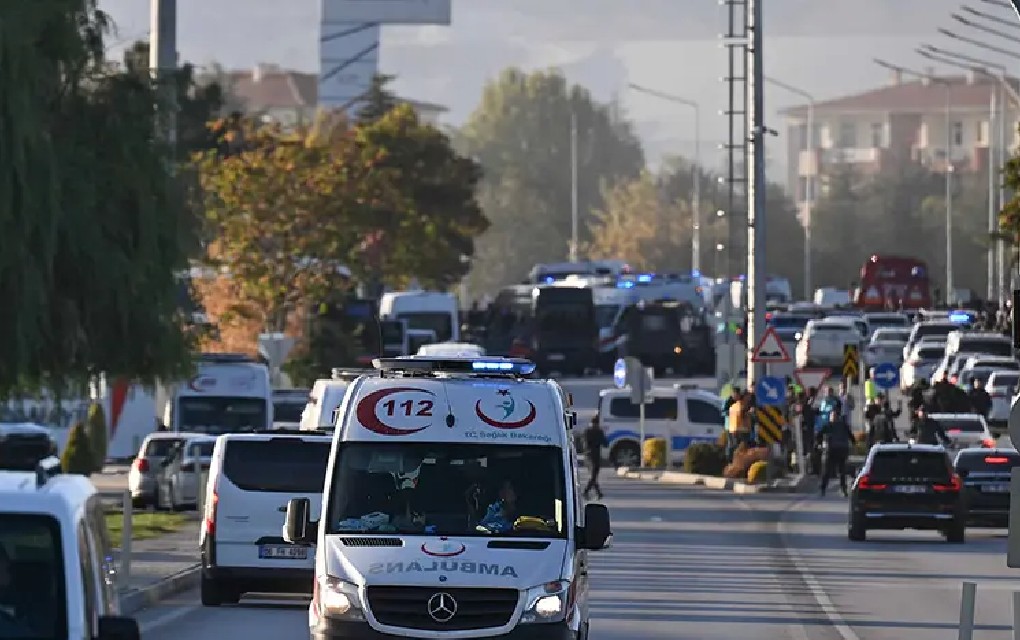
(324, 400)
(230, 393)
(452, 508)
(424, 310)
(251, 478)
(682, 415)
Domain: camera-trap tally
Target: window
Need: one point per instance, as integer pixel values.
(877, 135)
(982, 132)
(283, 465)
(956, 132)
(159, 448)
(441, 322)
(222, 414)
(88, 579)
(287, 411)
(701, 412)
(32, 559)
(201, 449)
(659, 409)
(909, 465)
(847, 135)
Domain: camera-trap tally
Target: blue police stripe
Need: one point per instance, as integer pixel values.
(679, 443)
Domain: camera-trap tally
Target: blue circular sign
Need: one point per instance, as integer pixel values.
(886, 375)
(620, 373)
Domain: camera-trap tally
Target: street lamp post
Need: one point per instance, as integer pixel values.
(573, 188)
(809, 187)
(696, 196)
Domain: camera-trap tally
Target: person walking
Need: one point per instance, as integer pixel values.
(838, 439)
(594, 440)
(980, 401)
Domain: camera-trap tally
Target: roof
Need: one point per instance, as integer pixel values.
(61, 495)
(912, 96)
(901, 446)
(274, 435)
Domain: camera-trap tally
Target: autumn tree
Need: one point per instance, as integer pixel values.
(95, 225)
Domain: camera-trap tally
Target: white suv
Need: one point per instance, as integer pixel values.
(251, 479)
(57, 578)
(823, 342)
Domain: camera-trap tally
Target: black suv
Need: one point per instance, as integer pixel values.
(907, 486)
(986, 477)
(23, 445)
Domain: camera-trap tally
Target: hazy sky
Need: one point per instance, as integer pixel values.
(824, 47)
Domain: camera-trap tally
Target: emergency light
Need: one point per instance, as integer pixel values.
(425, 364)
(960, 317)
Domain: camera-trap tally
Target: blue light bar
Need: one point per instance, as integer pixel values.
(625, 284)
(960, 317)
(550, 280)
(696, 273)
(644, 277)
(504, 366)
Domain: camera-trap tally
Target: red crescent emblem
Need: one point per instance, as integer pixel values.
(368, 418)
(439, 554)
(523, 422)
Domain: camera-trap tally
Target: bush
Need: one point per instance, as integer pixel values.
(757, 472)
(743, 458)
(77, 456)
(705, 458)
(98, 436)
(653, 453)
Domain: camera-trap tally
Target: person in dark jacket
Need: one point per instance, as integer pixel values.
(884, 427)
(594, 440)
(943, 395)
(926, 430)
(980, 401)
(838, 438)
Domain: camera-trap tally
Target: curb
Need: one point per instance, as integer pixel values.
(135, 600)
(791, 485)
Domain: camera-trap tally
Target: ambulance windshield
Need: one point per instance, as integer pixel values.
(448, 489)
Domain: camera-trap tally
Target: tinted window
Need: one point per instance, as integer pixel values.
(654, 322)
(986, 345)
(31, 553)
(930, 465)
(161, 448)
(833, 328)
(202, 449)
(963, 426)
(437, 321)
(996, 365)
(659, 409)
(288, 411)
(987, 462)
(565, 317)
(704, 413)
(221, 415)
(278, 465)
(1005, 380)
(930, 353)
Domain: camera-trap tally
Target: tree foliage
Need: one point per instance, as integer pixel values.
(94, 223)
(98, 436)
(77, 457)
(377, 101)
(521, 134)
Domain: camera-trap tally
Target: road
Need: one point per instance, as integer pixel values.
(692, 564)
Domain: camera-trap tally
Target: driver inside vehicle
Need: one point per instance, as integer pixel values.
(501, 514)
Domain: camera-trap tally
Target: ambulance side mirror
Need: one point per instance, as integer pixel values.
(596, 534)
(299, 528)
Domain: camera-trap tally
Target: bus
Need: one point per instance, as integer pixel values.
(893, 283)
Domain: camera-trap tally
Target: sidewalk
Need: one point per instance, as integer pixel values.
(160, 567)
(793, 484)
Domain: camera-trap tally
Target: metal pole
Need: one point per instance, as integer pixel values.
(755, 189)
(967, 599)
(809, 197)
(163, 62)
(993, 108)
(949, 199)
(641, 429)
(127, 507)
(573, 187)
(1002, 157)
(696, 213)
(1016, 615)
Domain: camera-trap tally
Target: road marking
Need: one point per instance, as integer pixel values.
(167, 618)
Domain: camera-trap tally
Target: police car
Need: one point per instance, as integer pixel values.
(57, 578)
(451, 508)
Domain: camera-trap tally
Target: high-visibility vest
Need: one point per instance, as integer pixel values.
(870, 390)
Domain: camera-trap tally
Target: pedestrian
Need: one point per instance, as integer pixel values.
(847, 404)
(870, 388)
(594, 440)
(926, 430)
(838, 439)
(980, 401)
(884, 424)
(943, 394)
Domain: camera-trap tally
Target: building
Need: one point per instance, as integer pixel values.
(290, 97)
(906, 120)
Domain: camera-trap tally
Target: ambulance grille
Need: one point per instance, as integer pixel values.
(408, 607)
(372, 542)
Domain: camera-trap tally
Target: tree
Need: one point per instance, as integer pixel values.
(521, 135)
(95, 224)
(378, 100)
(77, 457)
(96, 430)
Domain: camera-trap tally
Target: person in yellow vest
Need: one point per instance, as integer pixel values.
(871, 400)
(870, 388)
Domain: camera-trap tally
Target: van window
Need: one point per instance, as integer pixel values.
(201, 449)
(161, 447)
(990, 346)
(438, 321)
(288, 410)
(450, 489)
(703, 412)
(910, 465)
(221, 415)
(31, 558)
(829, 327)
(659, 409)
(280, 465)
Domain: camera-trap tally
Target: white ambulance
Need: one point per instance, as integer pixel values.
(229, 393)
(451, 508)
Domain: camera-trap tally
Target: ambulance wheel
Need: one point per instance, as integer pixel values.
(625, 454)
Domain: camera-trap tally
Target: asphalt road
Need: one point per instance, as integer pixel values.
(692, 564)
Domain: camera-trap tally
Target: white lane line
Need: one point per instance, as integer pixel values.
(167, 618)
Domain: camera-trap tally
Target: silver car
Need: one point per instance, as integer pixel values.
(177, 484)
(146, 466)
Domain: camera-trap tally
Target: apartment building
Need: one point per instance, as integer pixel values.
(291, 97)
(939, 121)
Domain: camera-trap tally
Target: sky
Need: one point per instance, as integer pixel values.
(823, 47)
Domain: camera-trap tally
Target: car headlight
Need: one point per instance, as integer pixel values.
(337, 599)
(549, 602)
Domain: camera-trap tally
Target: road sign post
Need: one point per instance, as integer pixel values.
(640, 380)
(851, 364)
(770, 391)
(887, 375)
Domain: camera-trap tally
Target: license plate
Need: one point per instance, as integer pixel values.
(282, 552)
(997, 487)
(911, 489)
(556, 357)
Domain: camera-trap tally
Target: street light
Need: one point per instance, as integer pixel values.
(980, 27)
(809, 191)
(978, 43)
(990, 17)
(949, 166)
(696, 204)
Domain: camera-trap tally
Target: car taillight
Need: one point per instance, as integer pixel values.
(996, 460)
(209, 523)
(954, 485)
(864, 482)
(141, 465)
(988, 443)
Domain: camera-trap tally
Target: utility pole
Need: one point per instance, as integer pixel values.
(696, 208)
(163, 65)
(992, 114)
(756, 188)
(950, 285)
(573, 186)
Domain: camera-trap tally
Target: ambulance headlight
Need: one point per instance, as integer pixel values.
(336, 598)
(549, 602)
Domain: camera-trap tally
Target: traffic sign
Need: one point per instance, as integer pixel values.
(886, 375)
(770, 348)
(770, 390)
(770, 424)
(620, 373)
(851, 363)
(812, 378)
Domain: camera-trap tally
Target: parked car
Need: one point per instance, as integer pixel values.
(177, 483)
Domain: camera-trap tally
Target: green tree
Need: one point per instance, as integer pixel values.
(96, 430)
(377, 101)
(521, 134)
(95, 226)
(77, 457)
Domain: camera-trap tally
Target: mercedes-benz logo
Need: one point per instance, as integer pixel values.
(442, 607)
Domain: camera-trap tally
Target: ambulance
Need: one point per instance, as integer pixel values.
(451, 508)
